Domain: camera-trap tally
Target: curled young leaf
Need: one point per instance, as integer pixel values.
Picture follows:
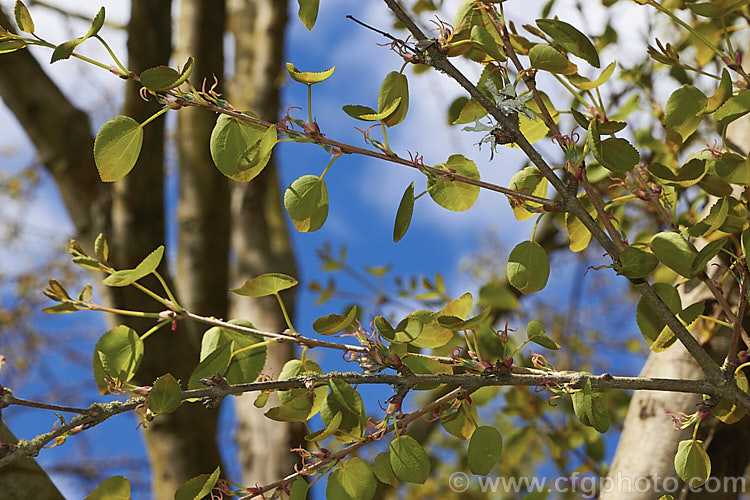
(308, 77)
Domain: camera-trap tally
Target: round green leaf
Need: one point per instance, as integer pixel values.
(485, 447)
(408, 459)
(329, 431)
(299, 489)
(395, 87)
(570, 39)
(692, 463)
(116, 148)
(528, 181)
(482, 39)
(426, 366)
(675, 252)
(306, 202)
(578, 233)
(165, 395)
(617, 155)
(298, 409)
(308, 78)
(453, 195)
(528, 267)
(118, 353)
(240, 149)
(499, 296)
(113, 488)
(595, 404)
(266, 284)
(636, 263)
(715, 8)
(707, 253)
(351, 480)
(294, 368)
(735, 107)
(728, 412)
(404, 213)
(470, 112)
(344, 399)
(159, 78)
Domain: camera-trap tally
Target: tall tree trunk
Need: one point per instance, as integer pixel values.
(203, 206)
(24, 479)
(260, 239)
(182, 444)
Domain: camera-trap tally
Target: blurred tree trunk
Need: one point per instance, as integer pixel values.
(183, 444)
(180, 445)
(24, 479)
(260, 239)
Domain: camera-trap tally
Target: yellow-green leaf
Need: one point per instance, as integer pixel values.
(116, 148)
(308, 77)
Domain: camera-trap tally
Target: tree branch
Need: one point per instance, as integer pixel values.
(564, 381)
(571, 203)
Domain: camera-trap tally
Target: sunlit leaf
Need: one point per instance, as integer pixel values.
(453, 195)
(308, 78)
(692, 462)
(394, 87)
(113, 488)
(306, 202)
(116, 148)
(528, 267)
(165, 395)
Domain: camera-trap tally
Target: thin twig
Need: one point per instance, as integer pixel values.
(549, 205)
(334, 457)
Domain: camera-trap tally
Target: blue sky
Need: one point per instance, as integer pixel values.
(363, 193)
